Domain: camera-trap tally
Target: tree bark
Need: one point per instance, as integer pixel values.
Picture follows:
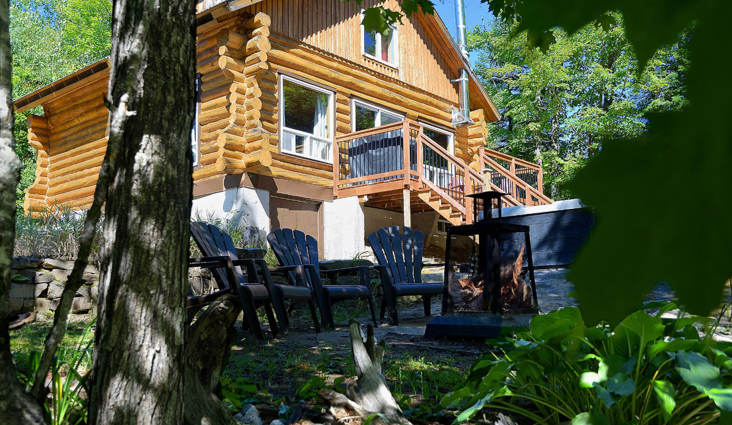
(16, 407)
(369, 395)
(207, 350)
(138, 369)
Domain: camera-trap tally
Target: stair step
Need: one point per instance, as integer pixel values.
(456, 214)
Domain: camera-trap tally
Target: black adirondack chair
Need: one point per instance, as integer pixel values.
(254, 290)
(294, 248)
(400, 263)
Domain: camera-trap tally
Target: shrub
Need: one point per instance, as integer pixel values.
(52, 233)
(647, 370)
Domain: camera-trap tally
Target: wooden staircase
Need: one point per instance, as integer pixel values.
(398, 167)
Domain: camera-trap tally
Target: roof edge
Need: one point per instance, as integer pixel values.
(35, 97)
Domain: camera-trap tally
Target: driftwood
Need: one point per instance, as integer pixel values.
(368, 396)
(208, 343)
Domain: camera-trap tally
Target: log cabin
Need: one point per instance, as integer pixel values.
(304, 120)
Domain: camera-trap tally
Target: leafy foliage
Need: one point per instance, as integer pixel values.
(644, 233)
(54, 233)
(647, 369)
(379, 18)
(559, 106)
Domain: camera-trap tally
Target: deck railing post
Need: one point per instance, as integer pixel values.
(468, 190)
(540, 180)
(481, 154)
(336, 167)
(420, 156)
(406, 144)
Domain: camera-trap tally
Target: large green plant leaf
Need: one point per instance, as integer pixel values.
(665, 393)
(698, 372)
(557, 324)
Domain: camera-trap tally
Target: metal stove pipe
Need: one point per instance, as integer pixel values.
(464, 118)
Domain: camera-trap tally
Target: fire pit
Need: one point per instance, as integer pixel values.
(490, 294)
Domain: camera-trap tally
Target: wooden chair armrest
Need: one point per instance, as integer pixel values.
(208, 262)
(353, 269)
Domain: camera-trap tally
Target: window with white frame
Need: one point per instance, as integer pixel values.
(443, 138)
(306, 123)
(367, 116)
(195, 130)
(382, 47)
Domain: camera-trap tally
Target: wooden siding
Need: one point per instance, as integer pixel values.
(335, 27)
(240, 56)
(75, 128)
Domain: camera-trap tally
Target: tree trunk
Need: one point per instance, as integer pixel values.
(207, 350)
(369, 395)
(16, 407)
(138, 369)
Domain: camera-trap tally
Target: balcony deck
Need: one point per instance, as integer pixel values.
(391, 164)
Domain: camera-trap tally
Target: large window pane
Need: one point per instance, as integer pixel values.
(369, 43)
(306, 110)
(306, 126)
(365, 118)
(387, 118)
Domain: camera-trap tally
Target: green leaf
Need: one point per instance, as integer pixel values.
(604, 395)
(589, 379)
(590, 418)
(722, 398)
(665, 393)
(621, 385)
(697, 371)
(472, 410)
(557, 324)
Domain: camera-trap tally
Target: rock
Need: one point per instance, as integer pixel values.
(43, 277)
(44, 305)
(91, 274)
(80, 305)
(278, 422)
(84, 291)
(248, 416)
(94, 294)
(52, 264)
(41, 290)
(22, 290)
(55, 289)
(61, 275)
(20, 263)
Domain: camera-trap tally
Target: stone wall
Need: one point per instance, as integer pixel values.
(38, 284)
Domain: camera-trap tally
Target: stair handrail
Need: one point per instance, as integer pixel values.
(517, 181)
(514, 162)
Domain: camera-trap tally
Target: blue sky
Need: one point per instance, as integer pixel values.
(476, 13)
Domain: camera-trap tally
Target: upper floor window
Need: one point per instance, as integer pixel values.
(307, 119)
(195, 130)
(367, 116)
(382, 47)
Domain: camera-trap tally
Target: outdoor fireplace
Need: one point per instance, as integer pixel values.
(493, 289)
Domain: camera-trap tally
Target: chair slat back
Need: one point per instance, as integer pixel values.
(294, 248)
(213, 242)
(399, 252)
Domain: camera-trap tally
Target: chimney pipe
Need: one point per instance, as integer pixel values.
(462, 117)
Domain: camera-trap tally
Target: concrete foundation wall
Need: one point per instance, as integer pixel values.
(343, 229)
(242, 205)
